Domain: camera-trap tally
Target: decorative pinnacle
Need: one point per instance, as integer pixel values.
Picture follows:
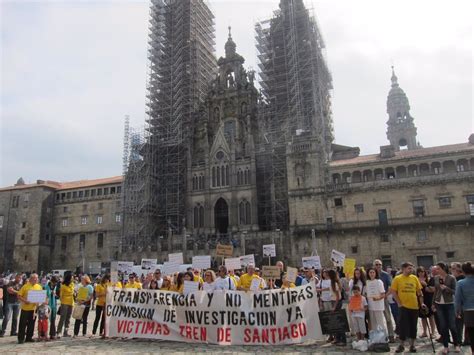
(230, 35)
(394, 77)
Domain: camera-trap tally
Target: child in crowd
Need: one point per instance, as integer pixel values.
(358, 307)
(43, 316)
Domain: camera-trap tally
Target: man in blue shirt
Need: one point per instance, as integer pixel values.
(387, 281)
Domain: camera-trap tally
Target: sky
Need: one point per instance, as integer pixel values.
(71, 71)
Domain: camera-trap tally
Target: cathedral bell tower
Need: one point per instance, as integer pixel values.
(401, 130)
(223, 198)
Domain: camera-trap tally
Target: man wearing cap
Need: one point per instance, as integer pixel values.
(27, 315)
(132, 282)
(246, 279)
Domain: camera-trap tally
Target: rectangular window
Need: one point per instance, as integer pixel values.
(1, 221)
(106, 190)
(112, 190)
(86, 193)
(74, 194)
(99, 192)
(15, 201)
(470, 204)
(46, 237)
(329, 223)
(84, 207)
(23, 224)
(384, 238)
(444, 202)
(26, 197)
(100, 240)
(354, 249)
(386, 260)
(359, 208)
(338, 202)
(81, 194)
(450, 254)
(65, 209)
(118, 217)
(84, 220)
(63, 195)
(22, 237)
(418, 208)
(421, 236)
(383, 219)
(64, 242)
(100, 219)
(93, 193)
(82, 241)
(100, 205)
(68, 195)
(119, 189)
(65, 222)
(437, 170)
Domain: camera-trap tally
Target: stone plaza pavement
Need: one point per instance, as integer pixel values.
(96, 345)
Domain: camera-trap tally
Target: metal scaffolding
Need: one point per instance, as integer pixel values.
(295, 85)
(182, 63)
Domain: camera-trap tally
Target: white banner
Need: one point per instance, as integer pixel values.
(221, 317)
(149, 264)
(269, 250)
(202, 262)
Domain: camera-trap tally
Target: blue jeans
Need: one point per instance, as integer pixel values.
(447, 322)
(12, 311)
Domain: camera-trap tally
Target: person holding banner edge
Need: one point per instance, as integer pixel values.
(26, 325)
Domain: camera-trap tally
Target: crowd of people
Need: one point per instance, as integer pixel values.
(375, 299)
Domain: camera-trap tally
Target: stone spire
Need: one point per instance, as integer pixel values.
(401, 130)
(230, 46)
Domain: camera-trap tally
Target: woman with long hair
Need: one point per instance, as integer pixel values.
(375, 292)
(358, 279)
(100, 293)
(209, 281)
(66, 297)
(336, 302)
(426, 315)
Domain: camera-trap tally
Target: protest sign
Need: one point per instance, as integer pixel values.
(271, 272)
(269, 250)
(114, 272)
(35, 296)
(349, 266)
(333, 322)
(312, 262)
(202, 262)
(255, 284)
(137, 270)
(125, 267)
(291, 274)
(233, 264)
(170, 268)
(221, 317)
(176, 258)
(190, 287)
(337, 258)
(224, 250)
(185, 267)
(247, 259)
(149, 264)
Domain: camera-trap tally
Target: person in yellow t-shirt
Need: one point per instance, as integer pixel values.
(246, 279)
(167, 285)
(26, 326)
(133, 282)
(100, 294)
(66, 297)
(406, 290)
(84, 299)
(197, 276)
(286, 283)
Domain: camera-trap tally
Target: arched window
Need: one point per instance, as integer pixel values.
(242, 212)
(227, 175)
(201, 184)
(246, 176)
(218, 173)
(247, 213)
(243, 108)
(201, 216)
(196, 217)
(239, 179)
(213, 176)
(223, 175)
(217, 114)
(194, 182)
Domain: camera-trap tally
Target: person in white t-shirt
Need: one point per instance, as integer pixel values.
(375, 292)
(224, 281)
(209, 281)
(325, 289)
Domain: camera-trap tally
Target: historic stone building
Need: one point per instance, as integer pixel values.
(49, 225)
